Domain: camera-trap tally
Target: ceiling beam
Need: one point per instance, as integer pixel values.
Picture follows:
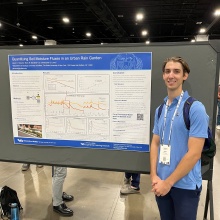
(104, 15)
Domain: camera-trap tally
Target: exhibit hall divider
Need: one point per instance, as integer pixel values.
(20, 65)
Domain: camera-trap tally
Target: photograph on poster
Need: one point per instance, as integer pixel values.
(27, 130)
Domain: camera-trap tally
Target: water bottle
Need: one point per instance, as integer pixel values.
(14, 211)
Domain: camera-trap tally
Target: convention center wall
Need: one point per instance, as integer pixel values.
(202, 58)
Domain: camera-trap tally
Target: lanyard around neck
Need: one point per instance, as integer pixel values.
(165, 118)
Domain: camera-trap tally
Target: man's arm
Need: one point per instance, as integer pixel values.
(153, 158)
(195, 146)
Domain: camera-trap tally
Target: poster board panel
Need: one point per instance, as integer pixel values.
(202, 82)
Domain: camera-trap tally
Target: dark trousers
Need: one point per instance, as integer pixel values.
(179, 204)
(135, 179)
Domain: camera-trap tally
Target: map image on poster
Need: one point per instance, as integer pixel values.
(99, 101)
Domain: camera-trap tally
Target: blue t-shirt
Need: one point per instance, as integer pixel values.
(179, 139)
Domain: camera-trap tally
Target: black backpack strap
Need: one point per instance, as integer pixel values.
(186, 109)
(160, 110)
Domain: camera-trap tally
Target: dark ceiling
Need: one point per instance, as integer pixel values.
(109, 21)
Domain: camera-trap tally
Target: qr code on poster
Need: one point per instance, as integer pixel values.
(140, 117)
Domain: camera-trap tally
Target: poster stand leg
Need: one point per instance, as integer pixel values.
(209, 198)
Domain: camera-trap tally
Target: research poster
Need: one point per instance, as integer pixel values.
(97, 100)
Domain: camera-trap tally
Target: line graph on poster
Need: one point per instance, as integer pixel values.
(60, 83)
(76, 125)
(93, 84)
(55, 125)
(99, 126)
(77, 105)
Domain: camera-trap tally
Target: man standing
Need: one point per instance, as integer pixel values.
(175, 151)
(26, 166)
(131, 183)
(59, 197)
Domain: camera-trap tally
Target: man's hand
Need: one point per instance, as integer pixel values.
(161, 188)
(154, 180)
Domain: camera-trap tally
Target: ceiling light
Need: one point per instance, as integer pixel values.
(0, 24)
(199, 22)
(202, 30)
(49, 27)
(193, 41)
(66, 20)
(217, 12)
(147, 42)
(21, 45)
(144, 33)
(139, 16)
(44, 0)
(34, 37)
(120, 16)
(88, 34)
(20, 3)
